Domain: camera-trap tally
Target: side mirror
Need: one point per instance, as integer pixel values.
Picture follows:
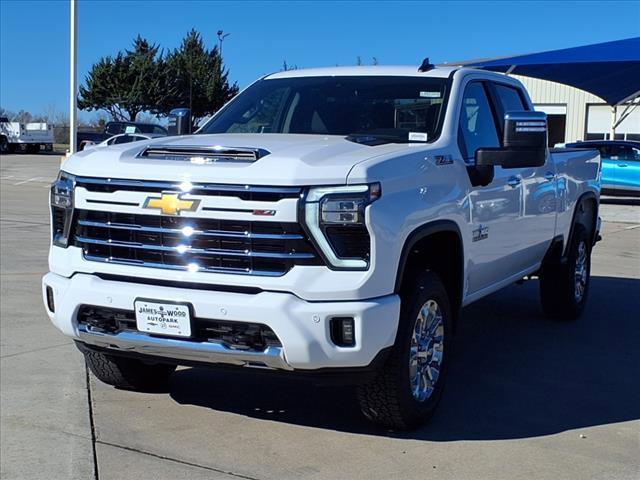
(525, 142)
(525, 130)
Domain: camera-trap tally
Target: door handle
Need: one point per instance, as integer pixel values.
(549, 176)
(513, 182)
(622, 164)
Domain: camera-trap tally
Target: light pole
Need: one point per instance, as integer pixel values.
(73, 80)
(221, 37)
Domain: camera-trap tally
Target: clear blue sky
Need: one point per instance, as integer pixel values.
(34, 35)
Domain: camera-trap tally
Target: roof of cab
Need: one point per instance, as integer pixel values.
(373, 71)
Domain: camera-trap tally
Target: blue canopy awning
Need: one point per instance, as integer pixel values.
(609, 70)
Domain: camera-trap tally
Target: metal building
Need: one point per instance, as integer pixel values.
(574, 114)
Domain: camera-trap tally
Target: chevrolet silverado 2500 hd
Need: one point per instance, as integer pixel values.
(326, 222)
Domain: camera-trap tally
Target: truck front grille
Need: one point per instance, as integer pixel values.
(192, 244)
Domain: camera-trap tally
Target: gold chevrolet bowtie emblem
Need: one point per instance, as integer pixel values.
(171, 204)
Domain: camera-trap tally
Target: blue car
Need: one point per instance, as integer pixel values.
(620, 165)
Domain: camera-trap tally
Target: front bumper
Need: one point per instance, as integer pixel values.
(301, 326)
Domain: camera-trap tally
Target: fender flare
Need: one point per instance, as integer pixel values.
(421, 232)
(585, 196)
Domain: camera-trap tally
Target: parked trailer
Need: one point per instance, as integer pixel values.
(25, 137)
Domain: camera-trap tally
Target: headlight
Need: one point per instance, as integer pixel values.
(62, 208)
(335, 219)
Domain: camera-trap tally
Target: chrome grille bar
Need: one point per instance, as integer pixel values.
(184, 268)
(151, 184)
(256, 193)
(192, 250)
(208, 233)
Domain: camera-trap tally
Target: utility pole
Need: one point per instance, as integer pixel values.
(221, 37)
(73, 79)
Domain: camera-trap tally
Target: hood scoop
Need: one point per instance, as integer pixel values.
(203, 155)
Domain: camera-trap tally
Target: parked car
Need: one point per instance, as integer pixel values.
(25, 137)
(329, 223)
(125, 138)
(86, 138)
(620, 165)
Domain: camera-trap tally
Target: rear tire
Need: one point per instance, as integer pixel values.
(128, 373)
(564, 287)
(408, 387)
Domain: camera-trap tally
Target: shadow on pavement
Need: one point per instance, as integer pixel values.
(515, 374)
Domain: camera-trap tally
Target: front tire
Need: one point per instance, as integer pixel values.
(408, 387)
(4, 145)
(564, 287)
(128, 373)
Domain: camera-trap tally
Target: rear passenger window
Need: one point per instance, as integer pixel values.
(477, 126)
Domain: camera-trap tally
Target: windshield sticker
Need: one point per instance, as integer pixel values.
(130, 129)
(430, 94)
(417, 137)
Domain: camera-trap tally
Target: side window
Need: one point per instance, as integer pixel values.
(477, 127)
(114, 128)
(159, 131)
(627, 153)
(510, 98)
(605, 151)
(123, 139)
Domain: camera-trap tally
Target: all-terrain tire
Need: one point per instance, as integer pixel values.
(564, 287)
(4, 145)
(389, 399)
(128, 373)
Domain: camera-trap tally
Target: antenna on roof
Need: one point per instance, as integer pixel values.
(426, 65)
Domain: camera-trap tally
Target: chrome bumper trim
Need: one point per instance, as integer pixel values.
(173, 348)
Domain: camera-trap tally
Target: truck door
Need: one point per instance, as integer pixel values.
(495, 210)
(538, 187)
(620, 167)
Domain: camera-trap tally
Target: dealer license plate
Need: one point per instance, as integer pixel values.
(163, 318)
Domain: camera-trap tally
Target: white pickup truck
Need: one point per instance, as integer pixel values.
(25, 137)
(328, 223)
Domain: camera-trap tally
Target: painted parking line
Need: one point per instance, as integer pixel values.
(7, 177)
(27, 181)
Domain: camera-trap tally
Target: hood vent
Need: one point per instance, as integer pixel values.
(203, 155)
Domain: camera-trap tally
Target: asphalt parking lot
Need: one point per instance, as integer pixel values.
(527, 397)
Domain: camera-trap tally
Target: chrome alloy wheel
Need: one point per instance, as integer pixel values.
(581, 272)
(427, 349)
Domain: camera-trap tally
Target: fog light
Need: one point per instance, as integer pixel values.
(50, 303)
(343, 331)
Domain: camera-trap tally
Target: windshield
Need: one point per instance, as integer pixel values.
(397, 108)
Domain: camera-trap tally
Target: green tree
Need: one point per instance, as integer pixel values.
(196, 79)
(126, 84)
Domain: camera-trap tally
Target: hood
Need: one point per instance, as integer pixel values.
(292, 160)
